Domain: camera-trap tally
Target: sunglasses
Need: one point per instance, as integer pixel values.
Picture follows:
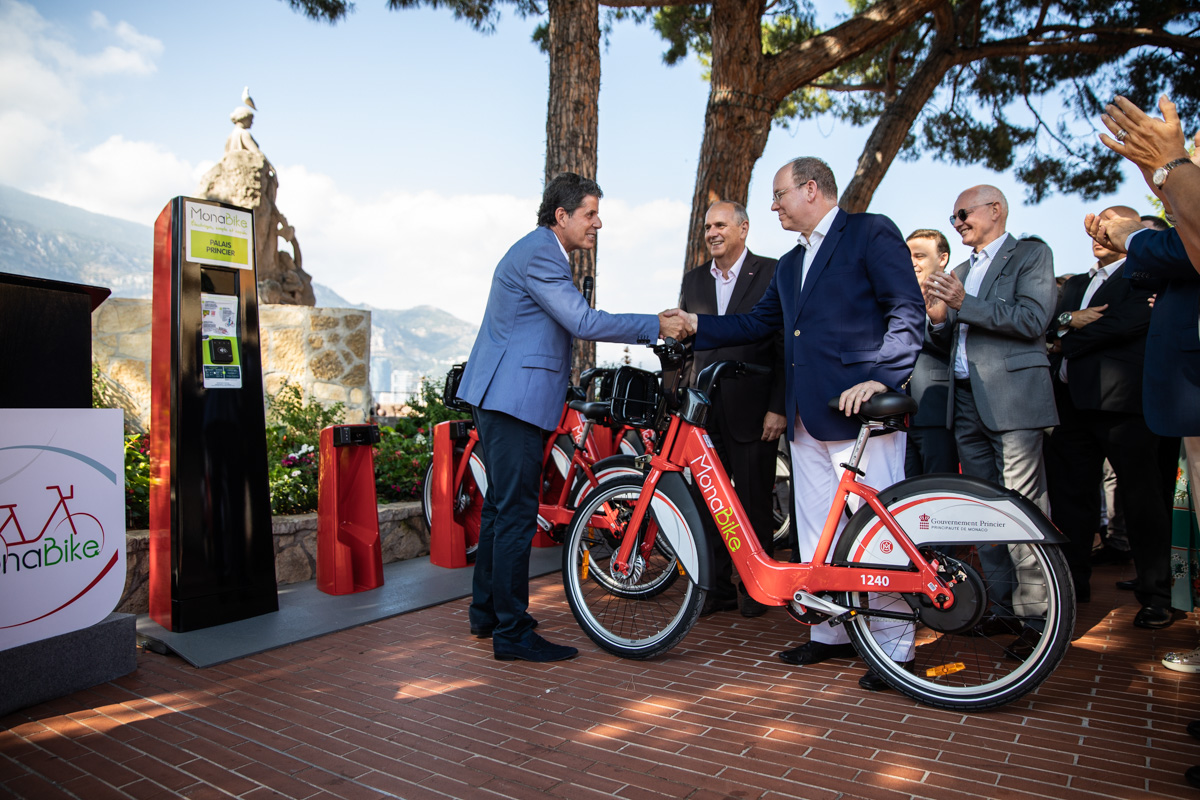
(962, 214)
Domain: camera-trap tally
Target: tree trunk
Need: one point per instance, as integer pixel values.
(747, 87)
(892, 127)
(737, 120)
(571, 119)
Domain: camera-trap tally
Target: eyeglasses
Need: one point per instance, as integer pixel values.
(782, 192)
(962, 214)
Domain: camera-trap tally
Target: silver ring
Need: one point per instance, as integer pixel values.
(1121, 134)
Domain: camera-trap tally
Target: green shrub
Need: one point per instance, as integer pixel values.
(403, 454)
(137, 481)
(293, 437)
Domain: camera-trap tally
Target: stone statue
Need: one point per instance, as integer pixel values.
(244, 177)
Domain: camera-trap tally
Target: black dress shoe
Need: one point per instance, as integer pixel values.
(1129, 585)
(815, 653)
(1083, 594)
(1192, 776)
(751, 607)
(713, 604)
(532, 648)
(1154, 618)
(874, 682)
(1193, 728)
(1022, 647)
(485, 631)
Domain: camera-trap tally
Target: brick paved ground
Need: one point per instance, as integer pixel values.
(413, 707)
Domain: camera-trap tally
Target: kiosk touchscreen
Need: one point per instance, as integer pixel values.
(212, 557)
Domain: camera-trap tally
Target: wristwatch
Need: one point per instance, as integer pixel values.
(1064, 319)
(1160, 175)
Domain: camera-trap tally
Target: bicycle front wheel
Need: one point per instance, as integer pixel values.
(648, 611)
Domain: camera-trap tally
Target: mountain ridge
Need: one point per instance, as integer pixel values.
(48, 239)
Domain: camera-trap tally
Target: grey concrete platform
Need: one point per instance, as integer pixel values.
(43, 670)
(306, 612)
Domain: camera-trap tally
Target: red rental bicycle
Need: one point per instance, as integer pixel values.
(575, 459)
(904, 575)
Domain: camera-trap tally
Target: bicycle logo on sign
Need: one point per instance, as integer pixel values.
(68, 517)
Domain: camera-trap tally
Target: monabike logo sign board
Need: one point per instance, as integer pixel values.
(62, 520)
(220, 236)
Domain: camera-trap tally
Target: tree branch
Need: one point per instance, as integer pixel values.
(805, 62)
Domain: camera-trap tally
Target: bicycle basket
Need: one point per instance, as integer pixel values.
(635, 395)
(450, 393)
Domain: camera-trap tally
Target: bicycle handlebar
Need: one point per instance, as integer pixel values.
(709, 376)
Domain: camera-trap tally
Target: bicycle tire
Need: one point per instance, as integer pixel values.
(985, 651)
(781, 499)
(630, 623)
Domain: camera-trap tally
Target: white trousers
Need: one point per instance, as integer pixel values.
(815, 476)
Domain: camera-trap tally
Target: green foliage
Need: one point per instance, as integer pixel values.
(403, 454)
(137, 481)
(1028, 82)
(293, 436)
(102, 391)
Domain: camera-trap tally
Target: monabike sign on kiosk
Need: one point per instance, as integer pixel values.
(212, 559)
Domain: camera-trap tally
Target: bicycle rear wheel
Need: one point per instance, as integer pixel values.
(979, 659)
(647, 612)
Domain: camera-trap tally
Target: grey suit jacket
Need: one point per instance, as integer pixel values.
(1006, 344)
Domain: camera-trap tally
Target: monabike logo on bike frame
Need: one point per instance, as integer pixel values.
(62, 521)
(702, 473)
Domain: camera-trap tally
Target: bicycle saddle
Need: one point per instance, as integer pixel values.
(882, 406)
(595, 411)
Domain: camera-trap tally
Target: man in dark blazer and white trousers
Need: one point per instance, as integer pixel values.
(516, 379)
(851, 313)
(992, 313)
(746, 419)
(1098, 344)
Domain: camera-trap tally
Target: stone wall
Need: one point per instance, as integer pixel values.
(403, 534)
(326, 351)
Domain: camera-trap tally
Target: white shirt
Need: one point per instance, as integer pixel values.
(812, 242)
(982, 261)
(725, 283)
(1099, 276)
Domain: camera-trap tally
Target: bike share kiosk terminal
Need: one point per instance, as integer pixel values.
(212, 558)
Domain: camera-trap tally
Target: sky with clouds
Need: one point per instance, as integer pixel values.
(409, 147)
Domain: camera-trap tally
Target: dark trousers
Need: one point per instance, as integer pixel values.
(931, 449)
(1012, 459)
(752, 467)
(512, 454)
(1075, 454)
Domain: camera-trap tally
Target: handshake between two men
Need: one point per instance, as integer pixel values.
(675, 323)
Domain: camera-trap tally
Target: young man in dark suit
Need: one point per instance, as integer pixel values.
(931, 446)
(747, 419)
(1097, 347)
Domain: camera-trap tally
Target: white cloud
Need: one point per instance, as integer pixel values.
(122, 178)
(408, 249)
(46, 81)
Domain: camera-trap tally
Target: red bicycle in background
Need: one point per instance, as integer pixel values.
(584, 449)
(904, 575)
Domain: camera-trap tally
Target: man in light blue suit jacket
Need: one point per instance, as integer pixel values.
(516, 379)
